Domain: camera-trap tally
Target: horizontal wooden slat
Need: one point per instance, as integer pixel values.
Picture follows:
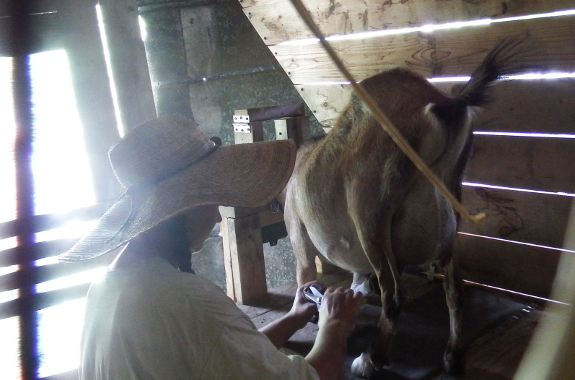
(442, 53)
(519, 216)
(44, 34)
(521, 268)
(43, 300)
(523, 162)
(544, 106)
(519, 162)
(43, 249)
(50, 221)
(44, 273)
(34, 6)
(278, 21)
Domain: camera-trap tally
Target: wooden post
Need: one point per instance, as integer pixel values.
(295, 128)
(83, 44)
(241, 227)
(247, 130)
(129, 62)
(243, 254)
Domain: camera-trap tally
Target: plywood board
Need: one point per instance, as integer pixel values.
(518, 216)
(442, 53)
(523, 162)
(278, 21)
(326, 101)
(522, 268)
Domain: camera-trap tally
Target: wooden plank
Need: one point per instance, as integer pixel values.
(92, 92)
(43, 300)
(326, 102)
(35, 6)
(295, 128)
(523, 162)
(518, 216)
(44, 31)
(518, 267)
(36, 275)
(49, 221)
(544, 106)
(442, 53)
(244, 259)
(128, 60)
(278, 21)
(498, 354)
(13, 256)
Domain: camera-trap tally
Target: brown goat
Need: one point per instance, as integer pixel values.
(357, 200)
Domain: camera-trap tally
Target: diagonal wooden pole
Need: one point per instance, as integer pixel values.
(382, 119)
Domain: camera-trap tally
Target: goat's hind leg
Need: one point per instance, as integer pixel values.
(303, 248)
(380, 255)
(377, 355)
(454, 359)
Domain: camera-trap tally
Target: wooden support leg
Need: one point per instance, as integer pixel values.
(241, 228)
(295, 128)
(243, 258)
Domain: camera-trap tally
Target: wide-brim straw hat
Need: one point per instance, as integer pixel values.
(169, 166)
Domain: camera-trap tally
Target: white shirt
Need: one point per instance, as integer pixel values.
(152, 321)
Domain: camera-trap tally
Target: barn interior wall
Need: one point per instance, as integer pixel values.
(206, 60)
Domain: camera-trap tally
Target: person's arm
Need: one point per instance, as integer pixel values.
(280, 330)
(336, 319)
(337, 314)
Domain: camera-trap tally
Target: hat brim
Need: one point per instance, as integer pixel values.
(244, 175)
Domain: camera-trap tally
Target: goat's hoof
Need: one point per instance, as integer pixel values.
(361, 366)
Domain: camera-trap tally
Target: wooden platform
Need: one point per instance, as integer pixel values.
(497, 330)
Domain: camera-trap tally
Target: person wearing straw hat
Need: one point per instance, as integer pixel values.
(149, 316)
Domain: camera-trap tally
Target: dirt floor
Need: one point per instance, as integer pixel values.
(496, 330)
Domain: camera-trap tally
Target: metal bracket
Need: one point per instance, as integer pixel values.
(242, 122)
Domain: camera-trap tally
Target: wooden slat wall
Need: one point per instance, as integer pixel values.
(45, 249)
(520, 216)
(523, 162)
(518, 267)
(442, 53)
(72, 25)
(549, 108)
(278, 21)
(522, 219)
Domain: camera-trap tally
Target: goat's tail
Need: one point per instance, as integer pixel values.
(503, 59)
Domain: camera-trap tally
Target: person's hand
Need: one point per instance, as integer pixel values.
(302, 310)
(340, 305)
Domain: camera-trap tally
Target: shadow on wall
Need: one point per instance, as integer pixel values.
(279, 261)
